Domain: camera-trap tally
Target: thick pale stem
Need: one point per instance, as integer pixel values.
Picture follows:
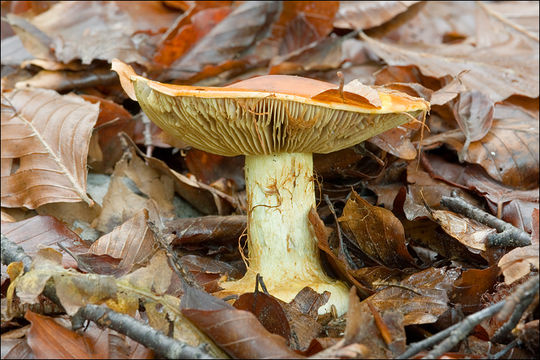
(280, 193)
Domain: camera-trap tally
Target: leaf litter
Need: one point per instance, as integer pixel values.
(414, 267)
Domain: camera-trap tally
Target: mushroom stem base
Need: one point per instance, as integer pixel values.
(282, 248)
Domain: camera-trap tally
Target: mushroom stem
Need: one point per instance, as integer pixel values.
(282, 249)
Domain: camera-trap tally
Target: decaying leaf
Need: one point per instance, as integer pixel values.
(377, 232)
(45, 139)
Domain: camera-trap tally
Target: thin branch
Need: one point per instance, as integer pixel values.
(473, 319)
(144, 334)
(523, 297)
(508, 235)
(12, 252)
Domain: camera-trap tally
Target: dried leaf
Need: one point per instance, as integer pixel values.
(486, 69)
(362, 329)
(377, 232)
(518, 262)
(209, 167)
(39, 231)
(232, 36)
(368, 14)
(238, 332)
(49, 340)
(220, 229)
(133, 242)
(467, 231)
(65, 80)
(470, 287)
(41, 161)
(421, 297)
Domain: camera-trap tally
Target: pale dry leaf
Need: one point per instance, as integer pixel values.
(132, 242)
(45, 140)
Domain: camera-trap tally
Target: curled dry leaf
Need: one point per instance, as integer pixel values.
(45, 141)
(469, 232)
(295, 321)
(238, 332)
(473, 112)
(518, 262)
(132, 242)
(220, 229)
(133, 185)
(382, 335)
(377, 232)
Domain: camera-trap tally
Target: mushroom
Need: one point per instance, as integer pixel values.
(277, 122)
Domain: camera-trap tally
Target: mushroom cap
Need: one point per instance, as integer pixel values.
(270, 114)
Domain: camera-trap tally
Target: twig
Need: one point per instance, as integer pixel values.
(470, 321)
(147, 135)
(508, 235)
(136, 330)
(185, 276)
(457, 332)
(507, 348)
(522, 297)
(350, 261)
(12, 252)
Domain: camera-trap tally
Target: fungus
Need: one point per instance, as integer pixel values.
(277, 122)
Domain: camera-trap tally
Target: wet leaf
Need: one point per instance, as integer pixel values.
(377, 232)
(41, 161)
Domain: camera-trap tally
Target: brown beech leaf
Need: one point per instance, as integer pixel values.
(233, 35)
(469, 232)
(421, 297)
(65, 80)
(133, 242)
(50, 340)
(377, 232)
(206, 199)
(238, 332)
(219, 229)
(518, 262)
(112, 119)
(38, 231)
(470, 287)
(511, 205)
(209, 167)
(295, 321)
(16, 349)
(493, 69)
(208, 272)
(45, 140)
(196, 24)
(382, 335)
(473, 112)
(368, 14)
(96, 30)
(134, 185)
